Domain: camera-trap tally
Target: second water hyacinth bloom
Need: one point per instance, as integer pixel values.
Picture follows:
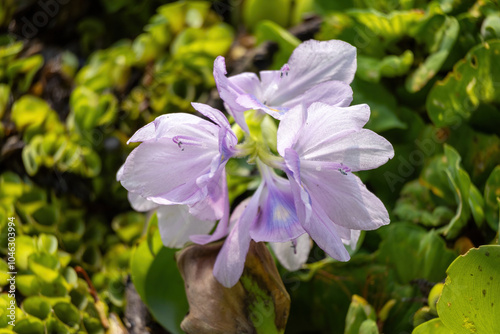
(307, 187)
(316, 72)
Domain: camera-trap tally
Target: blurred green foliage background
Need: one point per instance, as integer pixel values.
(78, 78)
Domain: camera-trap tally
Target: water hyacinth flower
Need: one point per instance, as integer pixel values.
(322, 146)
(175, 222)
(181, 160)
(180, 164)
(316, 72)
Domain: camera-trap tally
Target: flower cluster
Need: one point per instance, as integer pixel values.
(307, 183)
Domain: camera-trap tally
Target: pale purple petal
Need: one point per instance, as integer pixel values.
(333, 93)
(231, 259)
(311, 63)
(293, 254)
(213, 114)
(229, 92)
(321, 125)
(223, 227)
(176, 225)
(139, 203)
(278, 221)
(170, 125)
(164, 172)
(344, 198)
(361, 150)
(247, 82)
(251, 102)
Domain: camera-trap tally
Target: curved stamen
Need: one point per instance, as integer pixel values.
(186, 140)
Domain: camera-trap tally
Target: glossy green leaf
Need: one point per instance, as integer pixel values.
(441, 46)
(255, 11)
(29, 325)
(414, 252)
(491, 198)
(29, 110)
(37, 307)
(469, 301)
(359, 311)
(469, 90)
(23, 70)
(382, 104)
(434, 326)
(165, 299)
(44, 266)
(28, 285)
(128, 226)
(67, 313)
(4, 98)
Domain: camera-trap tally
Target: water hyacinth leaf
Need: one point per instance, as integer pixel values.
(30, 325)
(270, 31)
(55, 326)
(440, 47)
(29, 110)
(461, 95)
(128, 226)
(4, 98)
(359, 311)
(165, 300)
(469, 301)
(25, 246)
(414, 252)
(4, 269)
(368, 326)
(37, 306)
(382, 106)
(372, 69)
(23, 70)
(47, 243)
(258, 303)
(213, 41)
(67, 313)
(491, 198)
(255, 11)
(44, 266)
(434, 326)
(490, 29)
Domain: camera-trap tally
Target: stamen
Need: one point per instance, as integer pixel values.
(284, 70)
(294, 246)
(186, 140)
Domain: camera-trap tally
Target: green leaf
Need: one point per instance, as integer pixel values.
(414, 252)
(434, 326)
(23, 70)
(29, 325)
(165, 299)
(25, 246)
(491, 198)
(469, 90)
(128, 226)
(369, 326)
(29, 110)
(469, 301)
(4, 98)
(28, 285)
(68, 314)
(44, 266)
(444, 40)
(358, 312)
(54, 326)
(47, 243)
(382, 104)
(255, 11)
(37, 306)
